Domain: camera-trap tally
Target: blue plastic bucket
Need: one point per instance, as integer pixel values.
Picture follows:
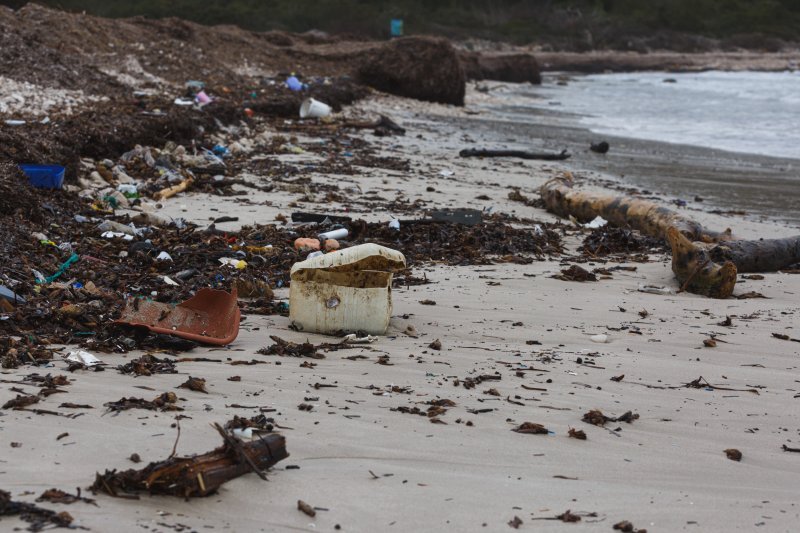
(44, 176)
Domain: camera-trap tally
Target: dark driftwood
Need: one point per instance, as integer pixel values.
(482, 152)
(200, 475)
(704, 261)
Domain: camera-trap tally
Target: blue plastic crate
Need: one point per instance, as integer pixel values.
(44, 176)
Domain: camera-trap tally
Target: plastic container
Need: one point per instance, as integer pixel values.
(340, 233)
(44, 176)
(294, 84)
(314, 109)
(349, 290)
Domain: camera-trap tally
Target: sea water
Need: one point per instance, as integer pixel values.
(747, 112)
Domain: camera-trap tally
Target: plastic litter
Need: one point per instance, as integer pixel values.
(340, 233)
(84, 357)
(353, 339)
(293, 84)
(238, 264)
(44, 176)
(653, 289)
(244, 433)
(601, 338)
(202, 98)
(63, 268)
(394, 224)
(466, 216)
(211, 316)
(11, 296)
(598, 222)
(347, 290)
(116, 227)
(164, 256)
(306, 245)
(312, 108)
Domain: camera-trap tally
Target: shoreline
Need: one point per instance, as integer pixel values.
(757, 185)
(599, 61)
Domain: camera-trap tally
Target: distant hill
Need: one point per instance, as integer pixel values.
(682, 25)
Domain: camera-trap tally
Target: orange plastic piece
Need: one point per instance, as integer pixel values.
(211, 317)
(331, 245)
(306, 245)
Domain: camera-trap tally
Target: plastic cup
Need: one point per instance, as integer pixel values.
(314, 109)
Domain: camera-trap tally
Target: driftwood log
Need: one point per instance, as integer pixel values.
(476, 152)
(200, 475)
(704, 261)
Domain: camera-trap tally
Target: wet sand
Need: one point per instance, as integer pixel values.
(761, 187)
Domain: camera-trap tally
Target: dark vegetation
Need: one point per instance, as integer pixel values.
(560, 24)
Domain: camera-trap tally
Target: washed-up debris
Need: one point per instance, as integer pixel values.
(515, 522)
(210, 317)
(705, 262)
(597, 222)
(258, 424)
(195, 384)
(702, 383)
(147, 365)
(456, 244)
(627, 244)
(59, 496)
(566, 516)
(305, 508)
(83, 357)
(356, 287)
(37, 517)
(531, 428)
(597, 418)
(482, 152)
(199, 475)
(627, 527)
(352, 338)
(435, 345)
(163, 402)
(472, 382)
(576, 434)
(575, 273)
(784, 337)
(286, 348)
(654, 289)
(21, 401)
(733, 454)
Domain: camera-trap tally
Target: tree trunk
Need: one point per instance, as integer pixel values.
(200, 475)
(704, 261)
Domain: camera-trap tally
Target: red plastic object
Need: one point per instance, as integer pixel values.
(210, 317)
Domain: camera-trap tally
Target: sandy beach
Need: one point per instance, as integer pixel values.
(367, 467)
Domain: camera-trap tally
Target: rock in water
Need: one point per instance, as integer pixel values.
(425, 68)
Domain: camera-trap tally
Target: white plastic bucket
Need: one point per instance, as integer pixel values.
(314, 109)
